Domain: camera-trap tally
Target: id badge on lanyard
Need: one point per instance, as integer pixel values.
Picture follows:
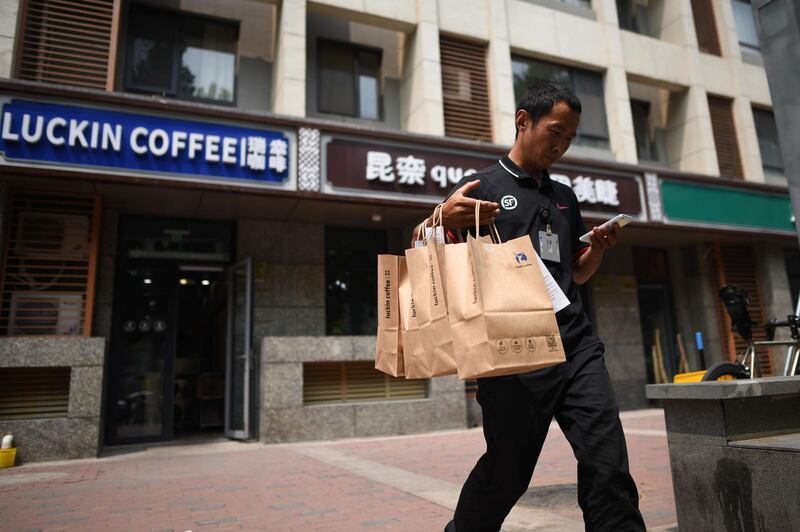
(548, 241)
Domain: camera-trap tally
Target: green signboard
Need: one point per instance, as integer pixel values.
(722, 206)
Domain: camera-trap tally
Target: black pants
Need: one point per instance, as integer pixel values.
(517, 412)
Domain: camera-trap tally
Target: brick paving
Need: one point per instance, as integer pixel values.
(407, 483)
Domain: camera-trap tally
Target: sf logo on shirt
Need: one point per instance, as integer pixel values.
(508, 202)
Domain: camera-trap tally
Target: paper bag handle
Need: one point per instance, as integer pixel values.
(493, 232)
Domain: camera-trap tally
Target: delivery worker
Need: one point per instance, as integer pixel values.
(519, 196)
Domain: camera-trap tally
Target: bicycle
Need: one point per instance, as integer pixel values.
(746, 365)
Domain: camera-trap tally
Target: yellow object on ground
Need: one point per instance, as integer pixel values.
(8, 457)
(694, 376)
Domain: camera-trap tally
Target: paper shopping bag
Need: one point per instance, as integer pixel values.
(413, 349)
(388, 347)
(434, 355)
(501, 314)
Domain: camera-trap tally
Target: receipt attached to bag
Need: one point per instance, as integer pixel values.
(438, 236)
(557, 296)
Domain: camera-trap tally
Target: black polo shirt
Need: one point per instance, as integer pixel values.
(521, 200)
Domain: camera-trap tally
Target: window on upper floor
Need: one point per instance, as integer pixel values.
(640, 16)
(768, 143)
(349, 80)
(745, 24)
(578, 3)
(181, 56)
(658, 141)
(587, 85)
(650, 139)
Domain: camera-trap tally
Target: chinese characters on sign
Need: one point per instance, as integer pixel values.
(67, 135)
(591, 190)
(410, 170)
(422, 172)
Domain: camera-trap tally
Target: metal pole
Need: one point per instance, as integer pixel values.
(778, 26)
(792, 353)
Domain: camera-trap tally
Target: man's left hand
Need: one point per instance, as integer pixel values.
(604, 238)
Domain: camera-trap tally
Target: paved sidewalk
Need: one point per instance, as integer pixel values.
(408, 483)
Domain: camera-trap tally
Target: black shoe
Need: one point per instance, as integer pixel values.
(451, 527)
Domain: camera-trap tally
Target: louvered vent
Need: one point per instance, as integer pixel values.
(50, 261)
(335, 382)
(465, 90)
(705, 26)
(730, 163)
(737, 266)
(67, 42)
(33, 393)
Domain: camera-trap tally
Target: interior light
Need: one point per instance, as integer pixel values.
(205, 282)
(377, 218)
(184, 281)
(148, 281)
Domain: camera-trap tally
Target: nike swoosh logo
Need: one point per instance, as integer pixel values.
(562, 207)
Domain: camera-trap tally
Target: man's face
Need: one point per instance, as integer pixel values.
(546, 141)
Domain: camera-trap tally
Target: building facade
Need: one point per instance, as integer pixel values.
(194, 191)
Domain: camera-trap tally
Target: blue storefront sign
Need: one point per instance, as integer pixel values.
(70, 136)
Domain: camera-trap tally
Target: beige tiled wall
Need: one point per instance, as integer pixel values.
(8, 31)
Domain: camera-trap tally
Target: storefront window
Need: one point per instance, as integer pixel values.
(354, 72)
(187, 57)
(768, 144)
(588, 86)
(350, 277)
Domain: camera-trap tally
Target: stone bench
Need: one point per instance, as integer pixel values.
(734, 451)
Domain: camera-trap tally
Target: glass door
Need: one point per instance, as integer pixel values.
(143, 340)
(239, 364)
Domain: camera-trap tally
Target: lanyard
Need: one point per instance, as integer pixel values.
(542, 211)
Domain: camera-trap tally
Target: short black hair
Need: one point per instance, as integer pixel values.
(540, 98)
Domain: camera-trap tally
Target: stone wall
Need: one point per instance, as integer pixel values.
(616, 320)
(78, 434)
(285, 418)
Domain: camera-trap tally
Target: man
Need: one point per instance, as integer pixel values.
(518, 195)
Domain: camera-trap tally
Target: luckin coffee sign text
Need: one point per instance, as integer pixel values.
(78, 136)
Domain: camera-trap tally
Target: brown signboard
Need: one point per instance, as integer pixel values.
(406, 171)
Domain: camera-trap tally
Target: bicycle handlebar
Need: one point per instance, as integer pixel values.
(790, 321)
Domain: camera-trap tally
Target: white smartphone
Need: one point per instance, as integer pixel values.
(621, 219)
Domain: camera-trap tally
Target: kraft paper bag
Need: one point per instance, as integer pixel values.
(500, 311)
(388, 346)
(434, 354)
(409, 327)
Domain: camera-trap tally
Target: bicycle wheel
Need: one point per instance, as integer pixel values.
(725, 371)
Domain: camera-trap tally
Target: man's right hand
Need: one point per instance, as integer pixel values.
(459, 209)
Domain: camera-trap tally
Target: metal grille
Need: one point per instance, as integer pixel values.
(465, 90)
(68, 41)
(31, 393)
(335, 382)
(50, 263)
(730, 163)
(737, 266)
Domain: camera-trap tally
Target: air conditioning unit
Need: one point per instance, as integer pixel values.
(44, 234)
(38, 313)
